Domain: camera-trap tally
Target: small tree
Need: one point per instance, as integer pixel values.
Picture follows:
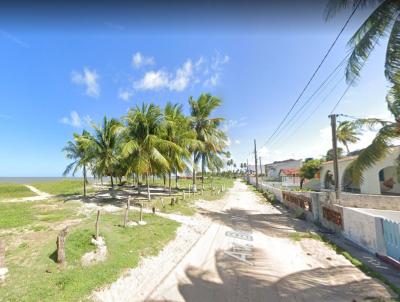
(329, 154)
(309, 169)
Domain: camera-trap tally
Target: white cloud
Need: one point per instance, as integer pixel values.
(191, 72)
(231, 124)
(13, 38)
(215, 69)
(139, 60)
(88, 78)
(237, 142)
(73, 120)
(155, 80)
(125, 95)
(182, 77)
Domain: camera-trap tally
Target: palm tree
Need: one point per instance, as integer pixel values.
(347, 133)
(104, 144)
(383, 22)
(78, 151)
(177, 130)
(144, 146)
(206, 128)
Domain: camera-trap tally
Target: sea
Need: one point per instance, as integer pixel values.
(28, 180)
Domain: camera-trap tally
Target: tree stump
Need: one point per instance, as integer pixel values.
(61, 246)
(172, 201)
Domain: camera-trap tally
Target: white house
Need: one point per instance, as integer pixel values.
(273, 170)
(381, 178)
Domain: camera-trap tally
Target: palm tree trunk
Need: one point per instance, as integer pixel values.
(347, 147)
(112, 182)
(202, 171)
(84, 181)
(165, 182)
(176, 179)
(138, 184)
(169, 182)
(148, 187)
(194, 172)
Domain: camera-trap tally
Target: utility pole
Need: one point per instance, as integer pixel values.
(261, 170)
(335, 157)
(255, 160)
(247, 166)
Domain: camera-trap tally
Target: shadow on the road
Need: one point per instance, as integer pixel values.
(242, 282)
(276, 224)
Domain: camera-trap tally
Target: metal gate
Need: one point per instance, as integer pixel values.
(391, 233)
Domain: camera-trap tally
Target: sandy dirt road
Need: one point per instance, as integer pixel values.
(246, 255)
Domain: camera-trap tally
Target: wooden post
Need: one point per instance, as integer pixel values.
(162, 203)
(2, 254)
(127, 211)
(172, 201)
(141, 212)
(154, 209)
(61, 246)
(335, 157)
(97, 224)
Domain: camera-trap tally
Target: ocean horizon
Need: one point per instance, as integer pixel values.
(27, 179)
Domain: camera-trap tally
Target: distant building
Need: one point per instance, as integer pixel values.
(252, 169)
(381, 178)
(273, 170)
(290, 177)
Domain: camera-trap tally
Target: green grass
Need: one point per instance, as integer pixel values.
(63, 187)
(297, 236)
(17, 214)
(34, 276)
(186, 207)
(10, 190)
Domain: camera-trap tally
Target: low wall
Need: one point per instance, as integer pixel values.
(364, 229)
(362, 226)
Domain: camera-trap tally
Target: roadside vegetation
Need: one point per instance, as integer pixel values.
(35, 276)
(11, 191)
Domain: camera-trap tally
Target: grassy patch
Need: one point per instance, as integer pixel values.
(34, 276)
(297, 236)
(10, 190)
(63, 187)
(17, 214)
(186, 207)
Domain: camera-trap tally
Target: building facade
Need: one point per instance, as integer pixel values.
(381, 178)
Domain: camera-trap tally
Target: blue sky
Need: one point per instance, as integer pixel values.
(54, 77)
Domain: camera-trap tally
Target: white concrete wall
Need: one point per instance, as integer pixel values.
(364, 229)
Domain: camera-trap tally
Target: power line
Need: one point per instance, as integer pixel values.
(315, 72)
(315, 109)
(316, 92)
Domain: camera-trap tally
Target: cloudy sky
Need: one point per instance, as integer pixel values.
(64, 67)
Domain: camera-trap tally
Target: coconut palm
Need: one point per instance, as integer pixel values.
(104, 143)
(347, 133)
(78, 151)
(207, 131)
(383, 22)
(177, 130)
(144, 147)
